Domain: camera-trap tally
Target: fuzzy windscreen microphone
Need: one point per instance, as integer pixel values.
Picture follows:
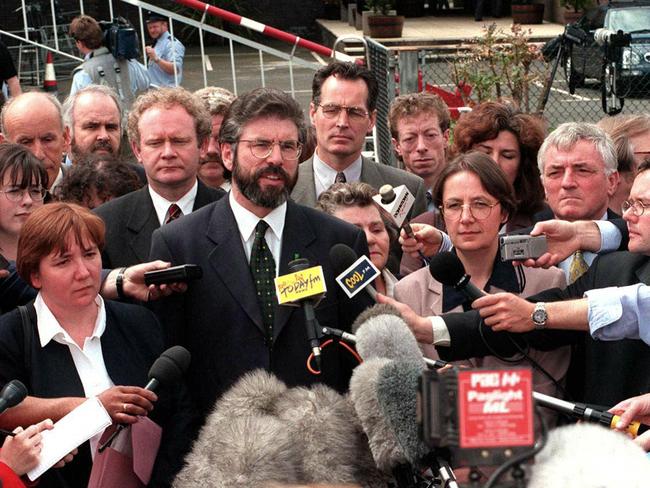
(328, 433)
(590, 456)
(381, 333)
(384, 446)
(261, 432)
(397, 386)
(242, 451)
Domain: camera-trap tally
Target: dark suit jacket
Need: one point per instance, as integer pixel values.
(131, 219)
(375, 174)
(602, 373)
(131, 342)
(218, 319)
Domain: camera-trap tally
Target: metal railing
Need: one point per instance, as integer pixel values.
(56, 44)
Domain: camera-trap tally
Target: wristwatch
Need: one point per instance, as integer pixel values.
(539, 315)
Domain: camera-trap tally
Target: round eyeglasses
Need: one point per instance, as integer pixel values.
(15, 194)
(637, 207)
(478, 210)
(261, 149)
(333, 111)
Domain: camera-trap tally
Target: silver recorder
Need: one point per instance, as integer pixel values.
(521, 247)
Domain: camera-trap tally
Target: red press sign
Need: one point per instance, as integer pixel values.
(496, 408)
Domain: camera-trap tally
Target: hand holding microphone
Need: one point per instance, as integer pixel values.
(632, 416)
(125, 403)
(426, 239)
(398, 203)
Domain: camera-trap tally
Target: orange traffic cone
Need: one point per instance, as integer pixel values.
(49, 84)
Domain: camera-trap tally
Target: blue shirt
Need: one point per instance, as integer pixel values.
(167, 50)
(138, 76)
(622, 312)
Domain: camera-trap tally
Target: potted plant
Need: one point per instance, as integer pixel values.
(498, 65)
(574, 9)
(381, 20)
(527, 12)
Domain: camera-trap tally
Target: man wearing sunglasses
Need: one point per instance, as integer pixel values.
(230, 320)
(343, 112)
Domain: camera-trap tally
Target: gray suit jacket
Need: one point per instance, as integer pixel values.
(372, 173)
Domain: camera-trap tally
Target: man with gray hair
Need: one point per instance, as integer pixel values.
(211, 170)
(577, 164)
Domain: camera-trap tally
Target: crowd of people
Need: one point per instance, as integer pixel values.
(93, 196)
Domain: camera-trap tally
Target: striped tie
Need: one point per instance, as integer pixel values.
(173, 213)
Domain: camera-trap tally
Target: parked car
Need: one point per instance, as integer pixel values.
(586, 60)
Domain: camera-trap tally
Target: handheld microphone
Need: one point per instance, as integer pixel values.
(581, 411)
(397, 202)
(12, 394)
(398, 208)
(446, 268)
(342, 257)
(167, 370)
(311, 322)
(346, 336)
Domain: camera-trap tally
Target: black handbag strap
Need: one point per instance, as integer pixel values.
(28, 320)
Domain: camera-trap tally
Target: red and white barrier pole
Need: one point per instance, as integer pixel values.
(266, 30)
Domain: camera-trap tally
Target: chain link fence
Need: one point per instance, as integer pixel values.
(464, 76)
(576, 91)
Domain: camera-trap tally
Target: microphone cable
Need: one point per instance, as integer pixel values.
(351, 350)
(491, 482)
(523, 355)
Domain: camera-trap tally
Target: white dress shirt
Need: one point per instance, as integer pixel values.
(324, 174)
(185, 203)
(247, 221)
(88, 360)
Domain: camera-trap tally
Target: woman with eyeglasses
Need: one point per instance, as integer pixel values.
(23, 186)
(476, 199)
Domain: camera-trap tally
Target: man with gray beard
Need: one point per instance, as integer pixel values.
(230, 320)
